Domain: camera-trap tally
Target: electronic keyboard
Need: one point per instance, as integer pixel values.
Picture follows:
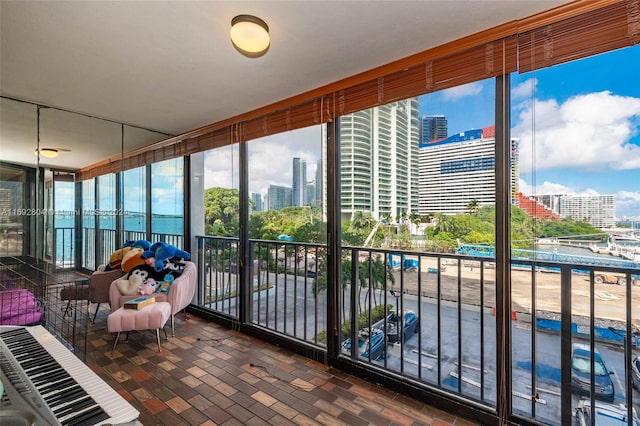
(46, 384)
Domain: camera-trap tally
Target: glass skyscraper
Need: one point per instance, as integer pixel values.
(379, 160)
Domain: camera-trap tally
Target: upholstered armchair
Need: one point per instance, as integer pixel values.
(180, 294)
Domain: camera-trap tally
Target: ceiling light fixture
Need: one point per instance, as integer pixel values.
(250, 35)
(48, 152)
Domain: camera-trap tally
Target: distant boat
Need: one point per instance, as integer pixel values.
(548, 241)
(627, 237)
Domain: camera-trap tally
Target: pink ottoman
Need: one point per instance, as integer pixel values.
(150, 317)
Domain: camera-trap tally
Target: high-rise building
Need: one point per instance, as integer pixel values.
(459, 170)
(257, 201)
(379, 160)
(597, 210)
(433, 128)
(279, 197)
(299, 182)
(311, 193)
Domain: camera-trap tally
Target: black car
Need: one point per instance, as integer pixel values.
(581, 375)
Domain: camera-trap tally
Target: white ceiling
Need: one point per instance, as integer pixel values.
(169, 65)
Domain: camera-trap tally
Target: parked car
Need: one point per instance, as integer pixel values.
(635, 372)
(605, 414)
(373, 343)
(581, 375)
(410, 326)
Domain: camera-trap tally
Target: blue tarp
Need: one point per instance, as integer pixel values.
(599, 333)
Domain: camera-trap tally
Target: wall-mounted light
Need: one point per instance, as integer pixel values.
(48, 152)
(250, 35)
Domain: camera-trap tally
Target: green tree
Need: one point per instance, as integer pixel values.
(222, 212)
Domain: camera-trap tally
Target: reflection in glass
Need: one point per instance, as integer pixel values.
(13, 198)
(88, 203)
(134, 204)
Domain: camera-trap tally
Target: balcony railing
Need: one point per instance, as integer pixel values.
(444, 339)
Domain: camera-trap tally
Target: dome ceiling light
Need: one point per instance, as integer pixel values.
(250, 35)
(48, 152)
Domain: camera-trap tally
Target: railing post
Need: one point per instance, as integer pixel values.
(565, 345)
(200, 296)
(244, 266)
(334, 254)
(353, 302)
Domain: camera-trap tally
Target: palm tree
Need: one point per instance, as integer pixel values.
(373, 275)
(415, 219)
(473, 206)
(443, 223)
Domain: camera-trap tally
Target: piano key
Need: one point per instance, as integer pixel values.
(90, 417)
(74, 407)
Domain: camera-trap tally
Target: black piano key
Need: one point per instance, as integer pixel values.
(87, 418)
(54, 377)
(65, 395)
(38, 368)
(75, 406)
(56, 386)
(38, 371)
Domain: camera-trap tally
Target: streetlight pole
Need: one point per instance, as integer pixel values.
(398, 320)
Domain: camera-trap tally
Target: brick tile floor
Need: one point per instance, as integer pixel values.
(210, 375)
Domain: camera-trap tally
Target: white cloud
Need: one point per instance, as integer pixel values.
(270, 160)
(627, 203)
(459, 92)
(524, 90)
(553, 188)
(544, 188)
(221, 167)
(587, 132)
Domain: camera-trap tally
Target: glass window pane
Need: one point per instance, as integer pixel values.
(287, 227)
(167, 202)
(63, 205)
(134, 204)
(107, 223)
(578, 203)
(89, 224)
(418, 184)
(13, 199)
(221, 194)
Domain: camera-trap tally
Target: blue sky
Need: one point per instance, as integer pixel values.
(578, 124)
